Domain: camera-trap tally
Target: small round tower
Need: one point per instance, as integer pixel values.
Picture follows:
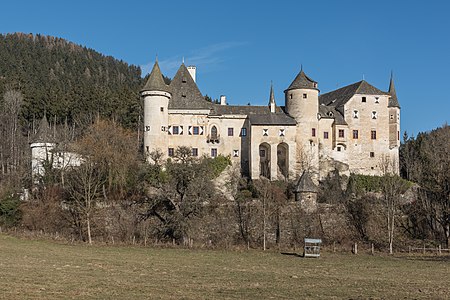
(302, 103)
(42, 147)
(156, 95)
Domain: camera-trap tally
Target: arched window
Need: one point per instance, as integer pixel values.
(214, 133)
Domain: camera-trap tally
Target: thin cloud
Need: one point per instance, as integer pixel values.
(207, 58)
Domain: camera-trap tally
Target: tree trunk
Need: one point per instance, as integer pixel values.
(88, 223)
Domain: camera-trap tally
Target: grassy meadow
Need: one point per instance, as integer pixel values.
(39, 269)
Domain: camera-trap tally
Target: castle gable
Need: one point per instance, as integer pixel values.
(339, 97)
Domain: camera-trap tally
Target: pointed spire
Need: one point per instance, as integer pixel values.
(155, 81)
(393, 101)
(272, 103)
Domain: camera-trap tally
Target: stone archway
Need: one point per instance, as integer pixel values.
(283, 160)
(264, 160)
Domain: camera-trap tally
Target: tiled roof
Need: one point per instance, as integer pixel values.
(155, 81)
(302, 81)
(258, 115)
(185, 92)
(340, 96)
(305, 184)
(271, 119)
(330, 112)
(393, 101)
(242, 109)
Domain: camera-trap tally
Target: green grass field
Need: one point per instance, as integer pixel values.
(37, 269)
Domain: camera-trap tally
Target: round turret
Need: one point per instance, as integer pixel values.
(302, 98)
(156, 95)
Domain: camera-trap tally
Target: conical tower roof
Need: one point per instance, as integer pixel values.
(302, 81)
(155, 81)
(43, 134)
(393, 101)
(305, 184)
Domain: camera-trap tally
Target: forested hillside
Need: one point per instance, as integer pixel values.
(68, 81)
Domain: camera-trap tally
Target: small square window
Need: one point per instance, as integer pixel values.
(163, 128)
(281, 132)
(377, 99)
(372, 154)
(341, 133)
(265, 132)
(339, 148)
(364, 99)
(392, 117)
(147, 148)
(195, 130)
(147, 128)
(290, 96)
(305, 96)
(325, 135)
(373, 134)
(230, 131)
(355, 114)
(262, 153)
(161, 109)
(171, 152)
(175, 130)
(313, 132)
(243, 131)
(235, 153)
(214, 152)
(374, 115)
(355, 134)
(194, 151)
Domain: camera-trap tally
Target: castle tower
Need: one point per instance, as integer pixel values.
(302, 103)
(41, 150)
(156, 95)
(394, 123)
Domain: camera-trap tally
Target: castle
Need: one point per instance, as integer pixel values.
(350, 129)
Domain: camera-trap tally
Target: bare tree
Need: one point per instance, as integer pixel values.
(392, 186)
(84, 187)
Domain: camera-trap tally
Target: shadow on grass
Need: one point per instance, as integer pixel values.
(292, 254)
(445, 258)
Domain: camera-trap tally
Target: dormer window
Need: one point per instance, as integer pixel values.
(315, 84)
(184, 80)
(364, 99)
(355, 114)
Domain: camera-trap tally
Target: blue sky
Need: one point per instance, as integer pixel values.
(240, 46)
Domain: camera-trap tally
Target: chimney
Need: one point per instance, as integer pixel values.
(192, 70)
(223, 100)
